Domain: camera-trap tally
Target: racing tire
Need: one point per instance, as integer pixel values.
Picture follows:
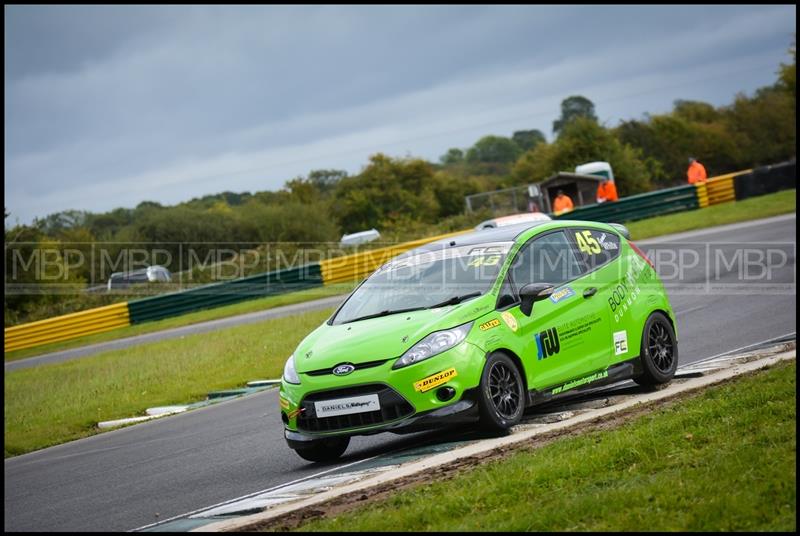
(659, 351)
(324, 450)
(501, 394)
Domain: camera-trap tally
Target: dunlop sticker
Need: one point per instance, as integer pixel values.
(510, 320)
(489, 325)
(436, 380)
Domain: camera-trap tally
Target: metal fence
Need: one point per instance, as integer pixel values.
(500, 202)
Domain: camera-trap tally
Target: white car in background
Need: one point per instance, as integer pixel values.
(527, 217)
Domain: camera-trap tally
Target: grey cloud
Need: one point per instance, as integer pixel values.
(187, 91)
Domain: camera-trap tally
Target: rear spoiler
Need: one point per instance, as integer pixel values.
(622, 230)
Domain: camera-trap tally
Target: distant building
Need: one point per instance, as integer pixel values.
(582, 189)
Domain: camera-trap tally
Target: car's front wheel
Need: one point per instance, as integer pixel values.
(324, 450)
(502, 394)
(659, 351)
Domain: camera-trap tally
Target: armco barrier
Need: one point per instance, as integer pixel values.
(62, 328)
(225, 293)
(718, 189)
(360, 265)
(637, 207)
(766, 180)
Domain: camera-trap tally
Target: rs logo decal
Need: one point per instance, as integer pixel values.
(547, 343)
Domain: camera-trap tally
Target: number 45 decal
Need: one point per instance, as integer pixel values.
(587, 243)
(485, 261)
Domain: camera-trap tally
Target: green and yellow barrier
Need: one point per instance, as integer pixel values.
(720, 189)
(62, 328)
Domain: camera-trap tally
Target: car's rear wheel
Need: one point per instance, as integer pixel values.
(502, 394)
(324, 450)
(659, 351)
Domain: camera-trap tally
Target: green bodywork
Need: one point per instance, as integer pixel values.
(567, 341)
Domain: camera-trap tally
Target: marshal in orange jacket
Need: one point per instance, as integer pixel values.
(561, 204)
(607, 191)
(696, 172)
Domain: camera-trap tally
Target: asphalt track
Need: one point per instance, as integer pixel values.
(132, 477)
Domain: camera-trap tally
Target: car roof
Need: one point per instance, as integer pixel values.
(507, 233)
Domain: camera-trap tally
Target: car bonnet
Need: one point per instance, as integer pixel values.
(382, 338)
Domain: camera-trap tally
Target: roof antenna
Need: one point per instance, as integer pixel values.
(453, 243)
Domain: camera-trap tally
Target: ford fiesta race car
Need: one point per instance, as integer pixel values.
(476, 328)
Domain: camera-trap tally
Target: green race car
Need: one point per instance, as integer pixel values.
(476, 328)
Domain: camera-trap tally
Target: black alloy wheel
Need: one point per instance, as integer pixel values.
(659, 351)
(502, 394)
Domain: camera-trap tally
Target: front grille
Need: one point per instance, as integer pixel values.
(393, 407)
(359, 366)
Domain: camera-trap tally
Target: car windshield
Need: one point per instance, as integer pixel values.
(439, 277)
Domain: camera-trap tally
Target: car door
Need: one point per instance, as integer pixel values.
(598, 251)
(562, 339)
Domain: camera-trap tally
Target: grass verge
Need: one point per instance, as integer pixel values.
(723, 460)
(249, 306)
(736, 211)
(56, 403)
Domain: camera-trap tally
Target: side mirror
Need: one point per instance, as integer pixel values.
(531, 293)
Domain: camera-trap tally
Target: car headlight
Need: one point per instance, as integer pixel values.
(289, 372)
(434, 344)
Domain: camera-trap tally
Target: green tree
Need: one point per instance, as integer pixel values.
(450, 192)
(697, 111)
(572, 108)
(452, 156)
(325, 180)
(764, 127)
(581, 141)
(787, 75)
(493, 150)
(528, 139)
(67, 219)
(303, 190)
(385, 191)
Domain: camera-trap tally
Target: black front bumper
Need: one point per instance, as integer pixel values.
(465, 411)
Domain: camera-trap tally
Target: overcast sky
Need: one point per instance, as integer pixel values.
(107, 106)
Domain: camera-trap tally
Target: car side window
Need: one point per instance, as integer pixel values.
(595, 247)
(545, 259)
(506, 296)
